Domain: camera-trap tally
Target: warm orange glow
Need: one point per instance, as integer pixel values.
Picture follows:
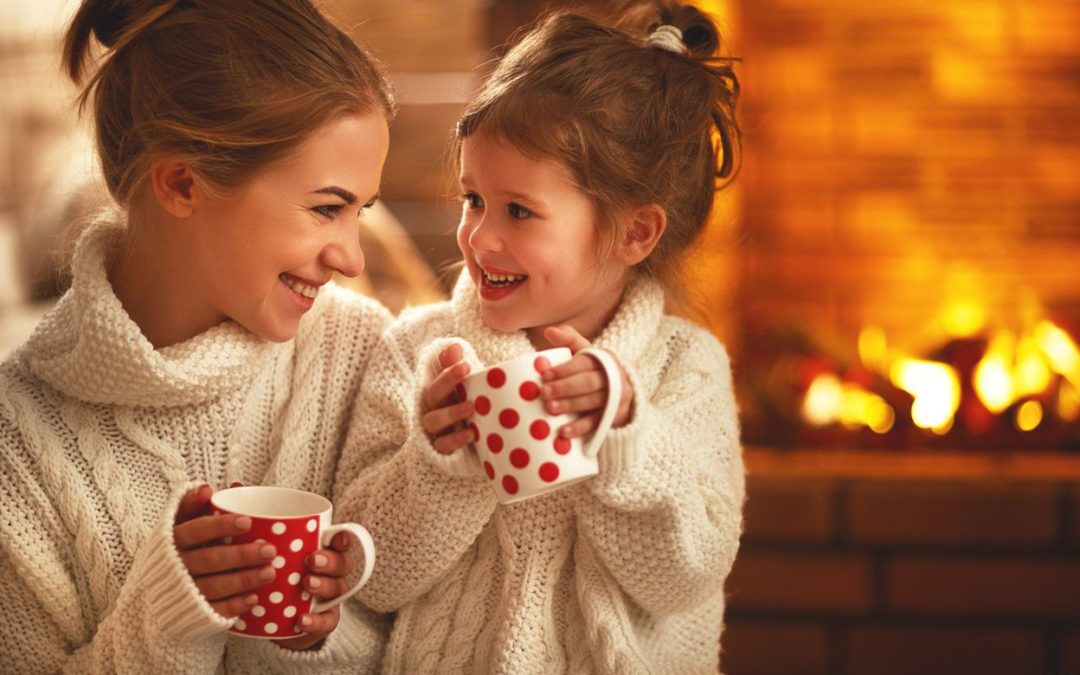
(1032, 374)
(936, 388)
(828, 400)
(1029, 415)
(993, 376)
(873, 348)
(1060, 350)
(1068, 404)
(964, 312)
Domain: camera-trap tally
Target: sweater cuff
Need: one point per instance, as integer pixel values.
(174, 603)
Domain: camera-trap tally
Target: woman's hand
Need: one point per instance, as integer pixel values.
(444, 419)
(579, 386)
(329, 568)
(224, 573)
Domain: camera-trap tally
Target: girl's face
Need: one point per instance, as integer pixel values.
(529, 238)
(261, 253)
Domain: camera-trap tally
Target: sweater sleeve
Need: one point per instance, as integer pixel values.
(423, 509)
(665, 512)
(160, 621)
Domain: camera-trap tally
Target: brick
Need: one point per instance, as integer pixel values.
(1070, 653)
(419, 36)
(970, 586)
(796, 582)
(902, 650)
(786, 509)
(1074, 515)
(763, 648)
(954, 513)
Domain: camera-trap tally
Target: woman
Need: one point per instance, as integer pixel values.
(199, 344)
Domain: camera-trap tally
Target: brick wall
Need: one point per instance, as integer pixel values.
(911, 563)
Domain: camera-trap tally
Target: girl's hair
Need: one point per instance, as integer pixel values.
(228, 85)
(633, 124)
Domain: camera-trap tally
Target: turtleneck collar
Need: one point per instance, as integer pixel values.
(626, 335)
(87, 347)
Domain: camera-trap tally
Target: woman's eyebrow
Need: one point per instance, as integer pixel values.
(337, 191)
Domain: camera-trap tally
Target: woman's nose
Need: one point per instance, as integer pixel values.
(344, 254)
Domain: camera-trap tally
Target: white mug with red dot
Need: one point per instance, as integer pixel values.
(518, 442)
(297, 523)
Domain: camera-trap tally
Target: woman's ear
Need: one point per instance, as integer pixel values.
(174, 187)
(642, 234)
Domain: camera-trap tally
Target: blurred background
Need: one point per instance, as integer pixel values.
(896, 273)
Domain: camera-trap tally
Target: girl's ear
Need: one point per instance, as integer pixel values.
(647, 225)
(174, 186)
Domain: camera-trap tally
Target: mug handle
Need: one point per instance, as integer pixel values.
(358, 531)
(614, 379)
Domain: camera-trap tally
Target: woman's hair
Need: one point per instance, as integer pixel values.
(228, 85)
(634, 124)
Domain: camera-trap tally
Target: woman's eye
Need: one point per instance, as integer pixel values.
(472, 200)
(518, 212)
(328, 211)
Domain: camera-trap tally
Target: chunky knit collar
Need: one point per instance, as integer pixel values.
(626, 335)
(88, 348)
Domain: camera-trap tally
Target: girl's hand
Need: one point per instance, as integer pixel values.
(224, 573)
(444, 419)
(580, 386)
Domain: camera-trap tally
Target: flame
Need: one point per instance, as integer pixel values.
(1060, 351)
(873, 349)
(828, 400)
(1029, 415)
(1068, 404)
(936, 388)
(993, 375)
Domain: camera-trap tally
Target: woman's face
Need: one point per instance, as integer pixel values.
(263, 252)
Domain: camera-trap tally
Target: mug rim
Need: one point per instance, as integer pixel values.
(324, 505)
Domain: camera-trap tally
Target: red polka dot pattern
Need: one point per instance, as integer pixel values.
(510, 484)
(549, 472)
(562, 445)
(529, 390)
(519, 458)
(510, 415)
(281, 602)
(539, 430)
(482, 405)
(509, 418)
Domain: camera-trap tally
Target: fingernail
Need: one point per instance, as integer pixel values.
(251, 600)
(242, 523)
(465, 408)
(320, 560)
(266, 573)
(547, 391)
(314, 582)
(306, 620)
(267, 551)
(564, 432)
(553, 406)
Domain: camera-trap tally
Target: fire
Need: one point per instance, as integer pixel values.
(936, 388)
(828, 400)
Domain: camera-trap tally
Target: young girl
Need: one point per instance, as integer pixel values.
(588, 165)
(197, 346)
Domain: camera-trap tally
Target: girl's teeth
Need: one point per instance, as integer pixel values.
(300, 287)
(503, 278)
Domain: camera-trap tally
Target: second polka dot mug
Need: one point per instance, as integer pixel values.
(297, 523)
(518, 442)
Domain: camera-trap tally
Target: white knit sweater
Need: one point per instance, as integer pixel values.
(623, 573)
(100, 435)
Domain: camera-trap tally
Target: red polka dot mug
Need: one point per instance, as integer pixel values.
(297, 523)
(518, 442)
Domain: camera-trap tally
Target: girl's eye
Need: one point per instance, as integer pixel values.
(328, 211)
(518, 212)
(370, 204)
(472, 200)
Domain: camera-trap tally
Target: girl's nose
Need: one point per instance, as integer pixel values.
(484, 236)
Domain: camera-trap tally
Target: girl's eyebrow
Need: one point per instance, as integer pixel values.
(349, 197)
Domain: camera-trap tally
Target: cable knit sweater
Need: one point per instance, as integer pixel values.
(623, 573)
(100, 435)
